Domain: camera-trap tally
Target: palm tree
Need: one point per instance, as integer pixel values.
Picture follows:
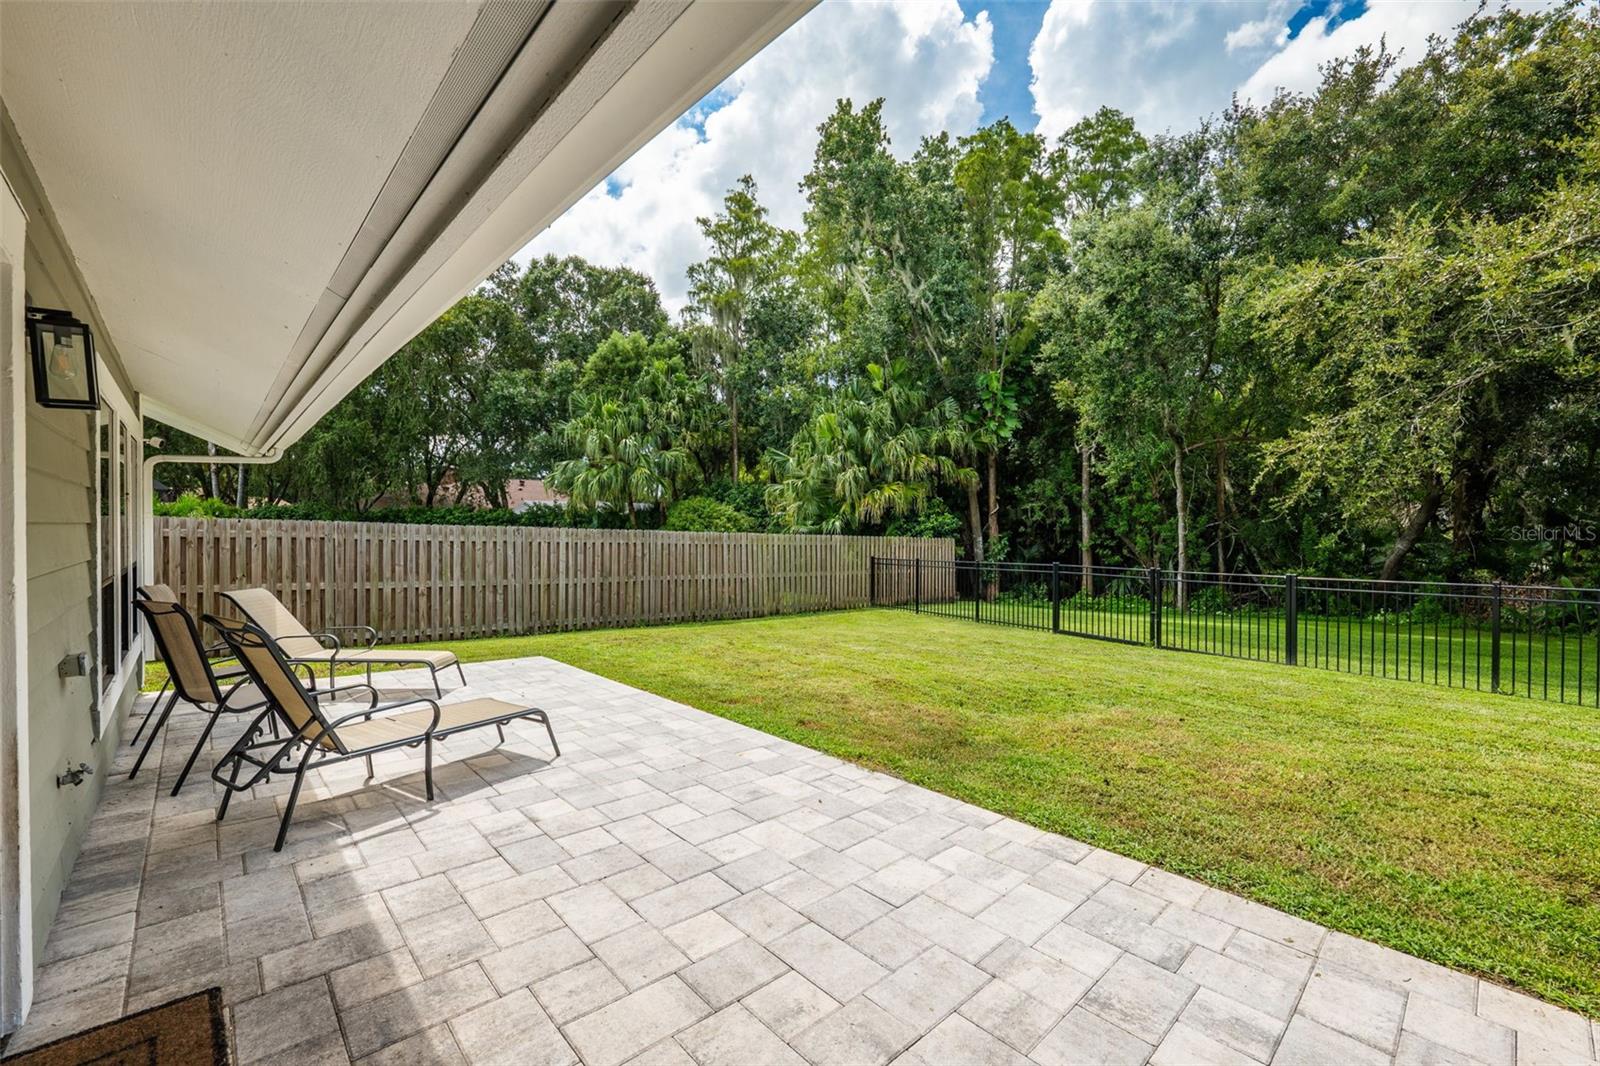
(879, 450)
(629, 449)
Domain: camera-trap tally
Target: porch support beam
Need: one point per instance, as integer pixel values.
(16, 873)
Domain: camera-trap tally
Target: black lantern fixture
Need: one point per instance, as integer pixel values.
(63, 360)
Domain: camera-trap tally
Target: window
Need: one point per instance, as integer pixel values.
(106, 560)
(127, 565)
(117, 551)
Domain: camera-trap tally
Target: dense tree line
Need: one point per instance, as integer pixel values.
(1352, 331)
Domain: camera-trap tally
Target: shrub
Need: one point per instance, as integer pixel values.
(701, 514)
(415, 515)
(191, 506)
(749, 498)
(936, 520)
(303, 512)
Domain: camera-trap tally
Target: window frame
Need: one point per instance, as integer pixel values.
(116, 539)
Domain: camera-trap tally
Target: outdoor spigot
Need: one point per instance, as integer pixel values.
(74, 777)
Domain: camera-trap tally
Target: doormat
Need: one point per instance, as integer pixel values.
(186, 1032)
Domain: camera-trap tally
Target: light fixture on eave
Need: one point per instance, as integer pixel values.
(63, 360)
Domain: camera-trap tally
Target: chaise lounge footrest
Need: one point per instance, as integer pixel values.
(315, 740)
(453, 718)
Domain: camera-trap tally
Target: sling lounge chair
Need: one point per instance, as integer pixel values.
(165, 594)
(223, 667)
(191, 674)
(315, 740)
(301, 646)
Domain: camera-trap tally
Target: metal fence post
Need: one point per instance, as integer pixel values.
(916, 585)
(1291, 619)
(1055, 597)
(977, 594)
(872, 581)
(1155, 605)
(1494, 638)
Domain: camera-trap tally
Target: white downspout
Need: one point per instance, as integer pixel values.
(147, 509)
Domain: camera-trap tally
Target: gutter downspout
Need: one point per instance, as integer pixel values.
(147, 516)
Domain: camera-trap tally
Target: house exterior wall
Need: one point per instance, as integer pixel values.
(61, 605)
(58, 505)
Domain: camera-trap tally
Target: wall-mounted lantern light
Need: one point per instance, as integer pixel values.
(63, 360)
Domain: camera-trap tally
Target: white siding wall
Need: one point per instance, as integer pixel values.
(60, 621)
(60, 515)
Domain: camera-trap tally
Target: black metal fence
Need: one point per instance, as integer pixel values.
(1530, 640)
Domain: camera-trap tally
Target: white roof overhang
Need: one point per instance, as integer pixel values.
(266, 201)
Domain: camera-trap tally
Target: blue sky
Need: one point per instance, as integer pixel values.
(1335, 14)
(1005, 93)
(954, 65)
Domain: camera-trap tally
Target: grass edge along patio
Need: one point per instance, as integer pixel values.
(1435, 821)
(430, 943)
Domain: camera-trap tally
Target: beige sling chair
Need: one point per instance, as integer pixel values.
(314, 740)
(223, 668)
(165, 594)
(301, 646)
(191, 674)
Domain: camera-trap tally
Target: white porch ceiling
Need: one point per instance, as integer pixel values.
(268, 199)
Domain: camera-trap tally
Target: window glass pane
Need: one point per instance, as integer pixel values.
(105, 561)
(125, 536)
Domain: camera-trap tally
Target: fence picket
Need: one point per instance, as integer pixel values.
(417, 583)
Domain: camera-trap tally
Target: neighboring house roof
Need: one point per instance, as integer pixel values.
(523, 493)
(266, 201)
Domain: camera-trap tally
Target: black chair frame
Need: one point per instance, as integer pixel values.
(215, 701)
(331, 633)
(279, 755)
(282, 755)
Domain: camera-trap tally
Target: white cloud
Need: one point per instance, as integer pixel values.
(1271, 28)
(1171, 64)
(1404, 27)
(1152, 60)
(923, 57)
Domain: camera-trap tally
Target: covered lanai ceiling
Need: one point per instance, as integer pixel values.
(266, 200)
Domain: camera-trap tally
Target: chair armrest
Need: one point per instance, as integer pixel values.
(371, 634)
(324, 635)
(237, 686)
(322, 693)
(370, 711)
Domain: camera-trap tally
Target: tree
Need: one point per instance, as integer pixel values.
(748, 257)
(892, 228)
(1128, 345)
(1096, 157)
(879, 450)
(894, 232)
(1435, 351)
(631, 437)
(570, 306)
(1011, 200)
(1497, 118)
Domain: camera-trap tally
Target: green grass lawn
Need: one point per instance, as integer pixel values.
(1461, 827)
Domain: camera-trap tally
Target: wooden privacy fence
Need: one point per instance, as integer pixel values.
(422, 583)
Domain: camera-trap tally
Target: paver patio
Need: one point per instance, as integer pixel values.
(678, 888)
